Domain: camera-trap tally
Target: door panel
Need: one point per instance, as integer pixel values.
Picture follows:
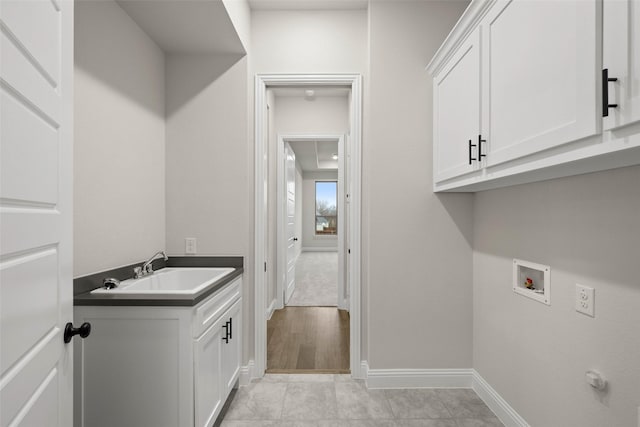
(208, 389)
(541, 58)
(621, 56)
(36, 211)
(230, 364)
(290, 177)
(457, 111)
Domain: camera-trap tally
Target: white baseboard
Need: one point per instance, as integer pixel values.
(419, 378)
(271, 309)
(246, 373)
(444, 378)
(319, 249)
(495, 402)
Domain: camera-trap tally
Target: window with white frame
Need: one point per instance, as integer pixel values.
(326, 208)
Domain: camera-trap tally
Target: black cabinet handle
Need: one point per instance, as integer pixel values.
(480, 141)
(225, 338)
(295, 239)
(69, 331)
(605, 92)
(230, 330)
(471, 159)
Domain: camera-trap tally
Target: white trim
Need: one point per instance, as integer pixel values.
(467, 23)
(419, 378)
(247, 373)
(445, 378)
(281, 202)
(495, 402)
(354, 155)
(271, 309)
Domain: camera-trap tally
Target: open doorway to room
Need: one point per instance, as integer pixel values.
(307, 331)
(310, 330)
(283, 122)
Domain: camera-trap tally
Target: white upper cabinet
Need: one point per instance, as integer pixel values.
(621, 60)
(457, 111)
(519, 88)
(540, 61)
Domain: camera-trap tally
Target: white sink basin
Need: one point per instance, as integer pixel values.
(182, 281)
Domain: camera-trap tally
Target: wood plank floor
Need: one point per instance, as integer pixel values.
(308, 339)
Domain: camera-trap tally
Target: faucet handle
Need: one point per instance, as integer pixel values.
(148, 268)
(137, 272)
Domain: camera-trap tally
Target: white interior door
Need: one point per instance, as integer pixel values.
(36, 288)
(290, 219)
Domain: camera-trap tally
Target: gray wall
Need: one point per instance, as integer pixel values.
(586, 228)
(417, 244)
(119, 141)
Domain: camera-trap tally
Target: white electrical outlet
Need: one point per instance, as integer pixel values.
(585, 300)
(190, 246)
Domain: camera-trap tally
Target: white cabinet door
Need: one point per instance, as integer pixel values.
(456, 107)
(36, 205)
(230, 366)
(540, 62)
(621, 57)
(207, 362)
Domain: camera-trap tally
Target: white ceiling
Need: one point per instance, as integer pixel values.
(315, 156)
(189, 26)
(308, 4)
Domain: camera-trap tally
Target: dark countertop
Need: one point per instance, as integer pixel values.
(84, 297)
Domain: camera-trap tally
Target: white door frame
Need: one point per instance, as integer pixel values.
(281, 216)
(353, 155)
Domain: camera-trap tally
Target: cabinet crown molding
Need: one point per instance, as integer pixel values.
(469, 20)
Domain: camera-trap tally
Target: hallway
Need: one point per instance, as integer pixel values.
(316, 280)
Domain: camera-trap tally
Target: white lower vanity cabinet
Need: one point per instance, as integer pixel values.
(158, 366)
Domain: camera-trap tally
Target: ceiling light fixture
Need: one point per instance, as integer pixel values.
(334, 156)
(309, 93)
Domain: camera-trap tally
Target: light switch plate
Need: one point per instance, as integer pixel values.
(190, 246)
(585, 300)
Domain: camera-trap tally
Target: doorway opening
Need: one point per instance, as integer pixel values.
(309, 329)
(329, 230)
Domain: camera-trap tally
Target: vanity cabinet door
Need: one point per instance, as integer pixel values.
(207, 362)
(541, 76)
(456, 109)
(230, 366)
(621, 59)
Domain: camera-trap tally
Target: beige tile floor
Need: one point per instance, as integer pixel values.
(338, 401)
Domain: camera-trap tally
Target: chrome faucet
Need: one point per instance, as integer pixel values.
(147, 267)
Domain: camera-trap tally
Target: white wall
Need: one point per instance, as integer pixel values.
(119, 148)
(208, 190)
(323, 114)
(309, 238)
(586, 228)
(417, 245)
(309, 41)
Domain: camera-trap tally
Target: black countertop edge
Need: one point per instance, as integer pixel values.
(87, 298)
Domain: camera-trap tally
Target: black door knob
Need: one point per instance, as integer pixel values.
(69, 331)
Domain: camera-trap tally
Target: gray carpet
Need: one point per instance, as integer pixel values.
(316, 280)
